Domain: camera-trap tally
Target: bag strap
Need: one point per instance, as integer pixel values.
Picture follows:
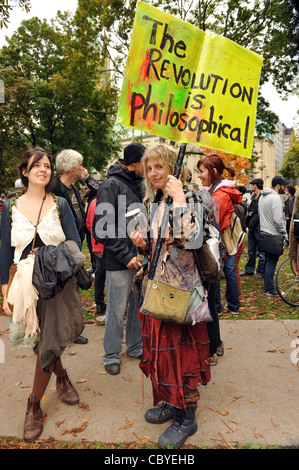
(214, 186)
(38, 221)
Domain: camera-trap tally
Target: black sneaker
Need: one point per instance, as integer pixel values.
(272, 293)
(101, 308)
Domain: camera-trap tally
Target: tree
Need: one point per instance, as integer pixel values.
(56, 94)
(7, 6)
(240, 164)
(290, 167)
(267, 27)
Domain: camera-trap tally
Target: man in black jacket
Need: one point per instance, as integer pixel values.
(252, 222)
(70, 169)
(122, 189)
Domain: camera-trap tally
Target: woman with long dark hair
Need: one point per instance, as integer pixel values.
(39, 215)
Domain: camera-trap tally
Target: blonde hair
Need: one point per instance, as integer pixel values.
(165, 155)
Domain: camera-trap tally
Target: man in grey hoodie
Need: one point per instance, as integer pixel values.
(272, 221)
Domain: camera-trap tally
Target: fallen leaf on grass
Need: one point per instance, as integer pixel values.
(17, 384)
(272, 350)
(81, 381)
(74, 431)
(222, 413)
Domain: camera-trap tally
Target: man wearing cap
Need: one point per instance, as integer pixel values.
(252, 222)
(272, 221)
(122, 189)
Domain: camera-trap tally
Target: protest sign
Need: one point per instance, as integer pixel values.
(189, 86)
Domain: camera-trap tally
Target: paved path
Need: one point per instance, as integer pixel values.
(252, 395)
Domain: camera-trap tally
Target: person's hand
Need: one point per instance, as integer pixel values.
(296, 268)
(85, 173)
(5, 305)
(134, 264)
(174, 189)
(6, 308)
(138, 240)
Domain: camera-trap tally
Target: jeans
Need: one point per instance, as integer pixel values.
(253, 253)
(120, 296)
(232, 291)
(269, 270)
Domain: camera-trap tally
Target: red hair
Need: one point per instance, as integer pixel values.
(212, 162)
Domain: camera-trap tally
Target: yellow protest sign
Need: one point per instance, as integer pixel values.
(189, 86)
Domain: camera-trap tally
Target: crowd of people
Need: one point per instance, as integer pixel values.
(49, 213)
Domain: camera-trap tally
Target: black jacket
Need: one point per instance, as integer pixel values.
(252, 218)
(120, 191)
(61, 190)
(54, 266)
(289, 206)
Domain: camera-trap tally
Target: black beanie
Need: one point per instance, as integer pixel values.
(133, 153)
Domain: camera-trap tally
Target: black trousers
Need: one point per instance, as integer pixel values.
(99, 281)
(213, 327)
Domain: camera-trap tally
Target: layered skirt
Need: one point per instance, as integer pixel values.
(176, 358)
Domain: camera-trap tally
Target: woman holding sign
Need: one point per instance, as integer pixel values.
(175, 355)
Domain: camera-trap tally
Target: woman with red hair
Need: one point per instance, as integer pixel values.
(224, 196)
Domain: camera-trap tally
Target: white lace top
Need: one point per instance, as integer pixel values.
(22, 230)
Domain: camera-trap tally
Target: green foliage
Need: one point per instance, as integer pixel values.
(267, 27)
(57, 93)
(6, 8)
(290, 167)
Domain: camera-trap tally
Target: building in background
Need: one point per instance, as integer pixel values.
(271, 150)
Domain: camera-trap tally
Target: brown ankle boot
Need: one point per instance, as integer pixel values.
(33, 426)
(65, 390)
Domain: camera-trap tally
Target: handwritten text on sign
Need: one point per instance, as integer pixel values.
(189, 86)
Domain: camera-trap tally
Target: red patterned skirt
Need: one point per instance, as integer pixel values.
(176, 357)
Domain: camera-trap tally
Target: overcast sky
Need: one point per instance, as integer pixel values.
(286, 110)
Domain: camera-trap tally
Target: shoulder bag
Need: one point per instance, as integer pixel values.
(270, 244)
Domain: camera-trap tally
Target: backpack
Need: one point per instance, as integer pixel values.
(234, 234)
(209, 257)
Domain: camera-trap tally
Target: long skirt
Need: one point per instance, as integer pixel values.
(176, 357)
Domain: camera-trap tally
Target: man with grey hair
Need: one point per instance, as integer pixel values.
(69, 170)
